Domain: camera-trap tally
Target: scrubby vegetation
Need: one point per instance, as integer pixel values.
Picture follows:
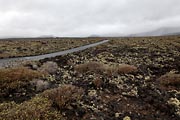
(38, 46)
(38, 108)
(125, 79)
(16, 78)
(90, 67)
(64, 96)
(48, 105)
(99, 68)
(170, 79)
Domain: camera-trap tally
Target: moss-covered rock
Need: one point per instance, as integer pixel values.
(35, 109)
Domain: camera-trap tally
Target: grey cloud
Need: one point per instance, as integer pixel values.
(85, 17)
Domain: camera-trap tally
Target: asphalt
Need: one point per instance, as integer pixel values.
(9, 61)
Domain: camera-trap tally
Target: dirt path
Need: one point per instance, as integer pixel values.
(13, 61)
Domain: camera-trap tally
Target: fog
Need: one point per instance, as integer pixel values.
(33, 18)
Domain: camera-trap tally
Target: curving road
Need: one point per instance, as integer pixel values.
(4, 62)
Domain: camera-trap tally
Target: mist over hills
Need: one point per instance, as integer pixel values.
(160, 32)
(164, 31)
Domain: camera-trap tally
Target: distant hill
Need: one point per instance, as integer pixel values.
(24, 37)
(46, 36)
(160, 32)
(94, 35)
(164, 31)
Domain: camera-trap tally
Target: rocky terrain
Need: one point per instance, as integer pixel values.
(125, 79)
(37, 46)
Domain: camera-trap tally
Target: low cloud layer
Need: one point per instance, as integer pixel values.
(86, 17)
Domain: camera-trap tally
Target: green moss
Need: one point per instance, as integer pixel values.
(34, 109)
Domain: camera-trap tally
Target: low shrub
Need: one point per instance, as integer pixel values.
(90, 67)
(124, 68)
(170, 79)
(64, 96)
(120, 69)
(102, 68)
(15, 78)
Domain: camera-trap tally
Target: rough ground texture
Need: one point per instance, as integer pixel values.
(127, 78)
(29, 47)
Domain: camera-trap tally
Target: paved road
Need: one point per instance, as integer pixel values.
(5, 62)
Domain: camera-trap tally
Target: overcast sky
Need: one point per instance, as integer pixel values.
(85, 17)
